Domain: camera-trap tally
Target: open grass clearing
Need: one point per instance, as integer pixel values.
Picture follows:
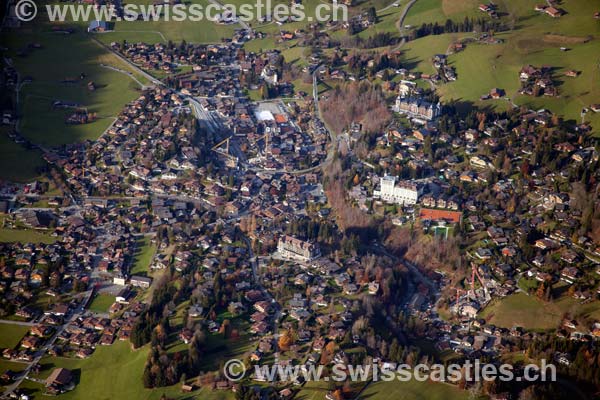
(60, 69)
(536, 39)
(142, 258)
(113, 372)
(413, 390)
(531, 313)
(25, 236)
(101, 303)
(11, 334)
(17, 163)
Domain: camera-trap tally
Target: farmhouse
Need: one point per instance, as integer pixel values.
(497, 93)
(59, 377)
(553, 12)
(97, 26)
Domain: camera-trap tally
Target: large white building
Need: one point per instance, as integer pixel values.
(404, 193)
(293, 248)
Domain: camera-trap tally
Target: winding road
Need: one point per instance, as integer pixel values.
(400, 23)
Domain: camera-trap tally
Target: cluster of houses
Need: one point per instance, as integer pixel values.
(359, 22)
(446, 72)
(469, 158)
(169, 58)
(77, 337)
(148, 146)
(537, 81)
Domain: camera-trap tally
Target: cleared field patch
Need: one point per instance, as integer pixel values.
(413, 390)
(60, 70)
(143, 256)
(453, 7)
(8, 235)
(531, 313)
(386, 23)
(317, 390)
(11, 334)
(481, 68)
(563, 39)
(424, 11)
(113, 372)
(219, 349)
(418, 53)
(101, 303)
(203, 31)
(150, 37)
(525, 311)
(16, 162)
(430, 11)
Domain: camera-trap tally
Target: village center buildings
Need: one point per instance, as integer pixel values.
(291, 247)
(402, 193)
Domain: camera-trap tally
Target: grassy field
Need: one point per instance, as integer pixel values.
(143, 257)
(97, 377)
(203, 31)
(522, 310)
(11, 365)
(25, 236)
(17, 163)
(426, 11)
(418, 53)
(536, 39)
(11, 335)
(314, 390)
(101, 303)
(220, 349)
(57, 59)
(529, 312)
(413, 390)
(386, 23)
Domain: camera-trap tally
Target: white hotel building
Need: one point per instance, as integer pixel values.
(404, 193)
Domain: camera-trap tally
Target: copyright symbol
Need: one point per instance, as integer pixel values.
(25, 10)
(234, 370)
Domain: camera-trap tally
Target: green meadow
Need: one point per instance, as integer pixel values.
(529, 312)
(11, 335)
(536, 39)
(101, 303)
(204, 31)
(112, 372)
(413, 390)
(60, 69)
(23, 235)
(143, 257)
(16, 162)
